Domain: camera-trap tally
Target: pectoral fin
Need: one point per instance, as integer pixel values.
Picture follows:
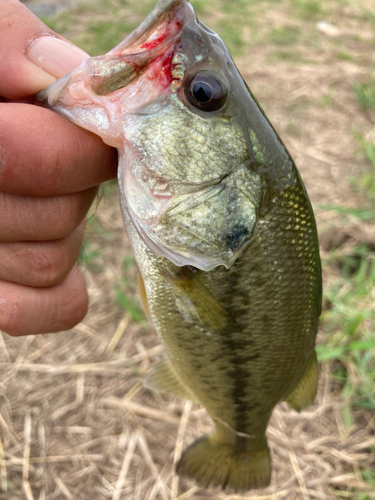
(143, 297)
(200, 302)
(304, 393)
(164, 378)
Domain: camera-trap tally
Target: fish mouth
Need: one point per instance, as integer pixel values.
(148, 45)
(151, 32)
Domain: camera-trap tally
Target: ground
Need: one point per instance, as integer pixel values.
(75, 420)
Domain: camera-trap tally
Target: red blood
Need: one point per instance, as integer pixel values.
(167, 65)
(154, 43)
(171, 27)
(160, 72)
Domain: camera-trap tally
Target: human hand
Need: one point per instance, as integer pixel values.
(49, 173)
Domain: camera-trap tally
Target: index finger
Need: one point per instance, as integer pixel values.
(43, 154)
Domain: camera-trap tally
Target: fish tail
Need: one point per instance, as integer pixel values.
(230, 464)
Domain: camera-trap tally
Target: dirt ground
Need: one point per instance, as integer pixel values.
(75, 420)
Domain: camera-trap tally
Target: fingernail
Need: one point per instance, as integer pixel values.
(55, 56)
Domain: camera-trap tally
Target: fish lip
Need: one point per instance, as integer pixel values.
(161, 10)
(50, 95)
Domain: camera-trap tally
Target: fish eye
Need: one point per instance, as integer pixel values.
(205, 92)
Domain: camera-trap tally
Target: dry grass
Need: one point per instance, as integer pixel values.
(75, 421)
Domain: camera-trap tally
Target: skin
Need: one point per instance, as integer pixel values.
(49, 173)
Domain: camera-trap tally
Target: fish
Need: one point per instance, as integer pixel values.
(222, 231)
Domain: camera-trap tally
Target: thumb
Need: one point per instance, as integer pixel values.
(31, 55)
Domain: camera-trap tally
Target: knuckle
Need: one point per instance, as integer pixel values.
(66, 214)
(49, 266)
(42, 219)
(59, 219)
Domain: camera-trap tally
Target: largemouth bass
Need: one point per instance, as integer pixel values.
(222, 231)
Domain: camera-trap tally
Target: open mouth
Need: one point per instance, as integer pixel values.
(149, 48)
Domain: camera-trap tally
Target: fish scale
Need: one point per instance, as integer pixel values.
(222, 231)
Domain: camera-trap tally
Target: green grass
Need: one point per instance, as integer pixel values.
(126, 289)
(326, 100)
(308, 8)
(232, 36)
(287, 55)
(352, 495)
(285, 35)
(202, 7)
(131, 304)
(349, 323)
(61, 22)
(90, 256)
(344, 56)
(369, 476)
(365, 94)
(235, 7)
(293, 129)
(349, 316)
(364, 183)
(100, 37)
(364, 214)
(368, 16)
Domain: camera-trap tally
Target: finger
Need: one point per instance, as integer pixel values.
(25, 40)
(40, 264)
(24, 218)
(26, 310)
(42, 154)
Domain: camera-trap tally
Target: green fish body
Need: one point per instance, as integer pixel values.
(222, 231)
